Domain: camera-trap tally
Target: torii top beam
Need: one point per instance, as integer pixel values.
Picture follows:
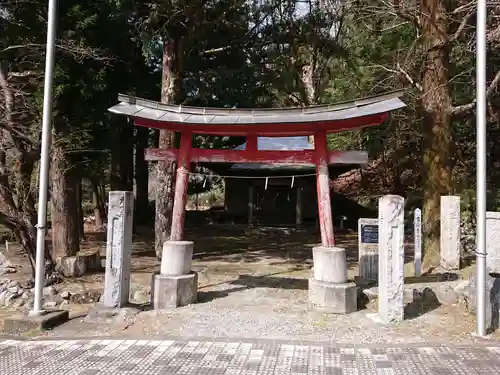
(263, 122)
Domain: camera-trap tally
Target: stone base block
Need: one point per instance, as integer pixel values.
(333, 298)
(16, 325)
(174, 291)
(84, 262)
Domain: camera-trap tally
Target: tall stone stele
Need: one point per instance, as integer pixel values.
(493, 241)
(176, 285)
(329, 288)
(118, 248)
(391, 258)
(450, 232)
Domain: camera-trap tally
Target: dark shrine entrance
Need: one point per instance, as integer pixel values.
(315, 121)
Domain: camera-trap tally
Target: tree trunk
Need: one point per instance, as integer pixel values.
(65, 229)
(122, 155)
(436, 106)
(98, 203)
(171, 90)
(142, 212)
(79, 207)
(26, 236)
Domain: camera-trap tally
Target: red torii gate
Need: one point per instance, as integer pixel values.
(314, 120)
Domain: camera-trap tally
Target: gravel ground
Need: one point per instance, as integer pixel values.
(283, 314)
(275, 307)
(255, 286)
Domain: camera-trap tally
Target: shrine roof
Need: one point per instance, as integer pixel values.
(156, 114)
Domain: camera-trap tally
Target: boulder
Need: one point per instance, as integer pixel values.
(49, 291)
(66, 295)
(50, 304)
(3, 296)
(5, 265)
(13, 283)
(12, 294)
(72, 266)
(90, 296)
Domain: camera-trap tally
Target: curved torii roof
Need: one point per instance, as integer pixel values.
(278, 121)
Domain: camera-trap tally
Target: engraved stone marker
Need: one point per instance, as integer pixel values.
(391, 258)
(493, 241)
(368, 249)
(450, 232)
(118, 248)
(417, 241)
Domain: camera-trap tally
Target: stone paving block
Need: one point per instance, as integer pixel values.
(116, 357)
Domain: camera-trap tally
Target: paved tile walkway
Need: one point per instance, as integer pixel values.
(156, 357)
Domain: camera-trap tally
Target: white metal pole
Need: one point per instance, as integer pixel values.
(44, 159)
(481, 168)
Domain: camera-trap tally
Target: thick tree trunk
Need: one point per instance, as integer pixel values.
(142, 213)
(165, 171)
(438, 134)
(65, 229)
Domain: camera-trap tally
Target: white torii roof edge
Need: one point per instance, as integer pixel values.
(156, 111)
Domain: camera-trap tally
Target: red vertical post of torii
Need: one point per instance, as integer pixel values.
(181, 185)
(323, 187)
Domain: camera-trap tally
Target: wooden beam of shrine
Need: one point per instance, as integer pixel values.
(206, 155)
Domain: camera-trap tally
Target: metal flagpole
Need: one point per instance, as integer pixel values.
(44, 160)
(481, 168)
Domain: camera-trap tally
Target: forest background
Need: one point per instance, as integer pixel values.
(239, 53)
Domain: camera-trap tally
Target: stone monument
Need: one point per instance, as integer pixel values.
(176, 285)
(417, 241)
(450, 232)
(493, 241)
(368, 249)
(118, 248)
(329, 288)
(391, 258)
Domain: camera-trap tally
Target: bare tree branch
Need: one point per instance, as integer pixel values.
(66, 46)
(461, 109)
(401, 11)
(401, 72)
(461, 27)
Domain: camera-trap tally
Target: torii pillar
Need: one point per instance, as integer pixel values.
(329, 288)
(181, 186)
(323, 188)
(177, 285)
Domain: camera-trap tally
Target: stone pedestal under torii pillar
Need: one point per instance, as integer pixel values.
(176, 285)
(329, 288)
